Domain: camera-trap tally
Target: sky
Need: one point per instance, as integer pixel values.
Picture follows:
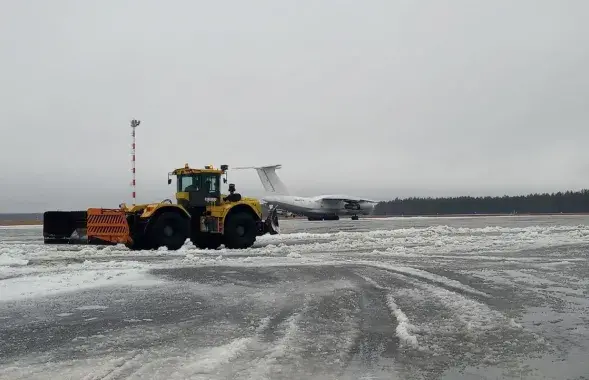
(373, 98)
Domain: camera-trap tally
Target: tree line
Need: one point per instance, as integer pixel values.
(545, 203)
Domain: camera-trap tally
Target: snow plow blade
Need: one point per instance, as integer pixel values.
(64, 227)
(94, 226)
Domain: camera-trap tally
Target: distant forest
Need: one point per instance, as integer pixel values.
(561, 202)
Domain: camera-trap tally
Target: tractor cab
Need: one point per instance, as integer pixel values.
(199, 187)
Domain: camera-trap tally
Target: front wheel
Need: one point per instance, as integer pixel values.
(169, 230)
(240, 231)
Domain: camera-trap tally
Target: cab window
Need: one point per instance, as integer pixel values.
(189, 183)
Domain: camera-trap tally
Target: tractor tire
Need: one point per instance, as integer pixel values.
(240, 231)
(169, 230)
(206, 241)
(139, 245)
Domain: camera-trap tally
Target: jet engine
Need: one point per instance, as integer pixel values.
(366, 207)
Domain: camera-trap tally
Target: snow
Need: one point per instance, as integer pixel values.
(112, 265)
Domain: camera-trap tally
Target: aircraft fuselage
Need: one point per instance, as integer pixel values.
(312, 207)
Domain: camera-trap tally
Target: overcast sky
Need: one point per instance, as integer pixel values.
(372, 98)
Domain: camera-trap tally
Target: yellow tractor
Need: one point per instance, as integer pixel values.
(201, 213)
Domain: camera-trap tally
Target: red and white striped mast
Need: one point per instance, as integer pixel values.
(134, 124)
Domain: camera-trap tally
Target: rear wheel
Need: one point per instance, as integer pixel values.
(169, 230)
(240, 231)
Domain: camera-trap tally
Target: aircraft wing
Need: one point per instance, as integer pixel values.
(345, 198)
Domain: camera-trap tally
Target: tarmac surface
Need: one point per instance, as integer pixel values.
(406, 298)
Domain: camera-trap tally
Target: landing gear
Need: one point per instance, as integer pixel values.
(326, 217)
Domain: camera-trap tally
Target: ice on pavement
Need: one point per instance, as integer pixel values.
(435, 242)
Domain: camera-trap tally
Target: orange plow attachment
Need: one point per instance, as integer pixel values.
(109, 225)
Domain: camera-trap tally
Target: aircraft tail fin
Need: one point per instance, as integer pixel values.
(270, 180)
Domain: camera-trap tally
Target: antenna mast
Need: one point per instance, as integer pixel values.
(134, 124)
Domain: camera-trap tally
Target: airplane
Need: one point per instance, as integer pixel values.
(322, 207)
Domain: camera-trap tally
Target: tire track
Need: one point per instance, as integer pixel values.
(121, 368)
(446, 320)
(371, 354)
(430, 278)
(275, 341)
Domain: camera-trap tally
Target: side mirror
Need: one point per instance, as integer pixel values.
(224, 180)
(169, 181)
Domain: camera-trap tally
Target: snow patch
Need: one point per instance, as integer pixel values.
(92, 307)
(208, 360)
(46, 284)
(404, 327)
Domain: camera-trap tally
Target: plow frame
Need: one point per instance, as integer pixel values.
(108, 225)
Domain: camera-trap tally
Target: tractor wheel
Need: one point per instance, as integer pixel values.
(134, 246)
(169, 230)
(140, 243)
(206, 241)
(240, 231)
